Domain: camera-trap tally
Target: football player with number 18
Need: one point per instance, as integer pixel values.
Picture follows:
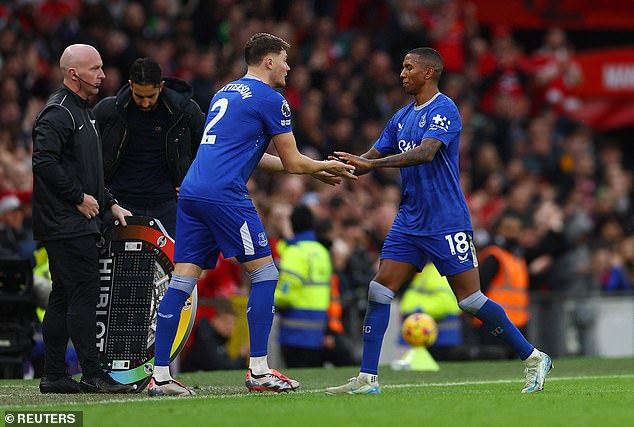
(433, 221)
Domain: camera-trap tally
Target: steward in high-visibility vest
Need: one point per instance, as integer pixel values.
(302, 296)
(41, 281)
(509, 285)
(430, 293)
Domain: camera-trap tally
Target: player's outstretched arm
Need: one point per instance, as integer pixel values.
(271, 163)
(296, 162)
(424, 153)
(335, 167)
(361, 163)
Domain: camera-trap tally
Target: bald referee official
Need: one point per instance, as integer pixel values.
(68, 197)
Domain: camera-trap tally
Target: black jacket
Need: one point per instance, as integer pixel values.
(66, 164)
(182, 139)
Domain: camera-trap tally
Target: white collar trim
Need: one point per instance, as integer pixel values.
(251, 76)
(418, 107)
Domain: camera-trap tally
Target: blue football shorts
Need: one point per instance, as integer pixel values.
(204, 229)
(451, 253)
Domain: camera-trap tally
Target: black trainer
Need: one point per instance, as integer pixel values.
(63, 385)
(100, 382)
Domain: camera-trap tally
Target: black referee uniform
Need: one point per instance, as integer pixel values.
(66, 164)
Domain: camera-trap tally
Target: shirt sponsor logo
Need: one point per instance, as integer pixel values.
(440, 122)
(406, 145)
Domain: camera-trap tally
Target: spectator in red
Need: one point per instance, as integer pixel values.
(555, 73)
(224, 281)
(510, 76)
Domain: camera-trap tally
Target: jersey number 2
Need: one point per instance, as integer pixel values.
(222, 105)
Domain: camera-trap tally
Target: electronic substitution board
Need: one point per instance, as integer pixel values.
(135, 266)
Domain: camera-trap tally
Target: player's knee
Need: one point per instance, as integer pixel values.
(183, 283)
(473, 303)
(264, 273)
(380, 293)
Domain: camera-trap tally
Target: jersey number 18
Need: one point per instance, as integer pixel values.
(461, 242)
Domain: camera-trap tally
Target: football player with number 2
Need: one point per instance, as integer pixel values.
(433, 221)
(215, 211)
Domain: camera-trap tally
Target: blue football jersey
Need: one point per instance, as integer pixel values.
(242, 118)
(432, 201)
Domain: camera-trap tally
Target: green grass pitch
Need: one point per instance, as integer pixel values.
(579, 392)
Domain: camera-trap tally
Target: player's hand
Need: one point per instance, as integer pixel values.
(89, 207)
(361, 164)
(326, 178)
(120, 213)
(335, 167)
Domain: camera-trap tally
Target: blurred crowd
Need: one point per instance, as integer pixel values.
(519, 150)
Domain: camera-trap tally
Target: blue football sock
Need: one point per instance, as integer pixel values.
(377, 317)
(260, 311)
(261, 308)
(169, 314)
(497, 323)
(374, 327)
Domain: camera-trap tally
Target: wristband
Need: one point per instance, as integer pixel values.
(112, 202)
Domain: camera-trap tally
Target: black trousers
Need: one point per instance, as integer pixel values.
(71, 311)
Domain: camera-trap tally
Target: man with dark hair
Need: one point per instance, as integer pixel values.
(215, 211)
(433, 222)
(150, 133)
(68, 195)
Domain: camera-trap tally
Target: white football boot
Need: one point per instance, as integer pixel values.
(363, 384)
(538, 365)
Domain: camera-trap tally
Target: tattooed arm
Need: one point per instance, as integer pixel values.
(373, 159)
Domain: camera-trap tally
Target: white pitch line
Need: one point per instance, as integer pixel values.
(246, 395)
(460, 383)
